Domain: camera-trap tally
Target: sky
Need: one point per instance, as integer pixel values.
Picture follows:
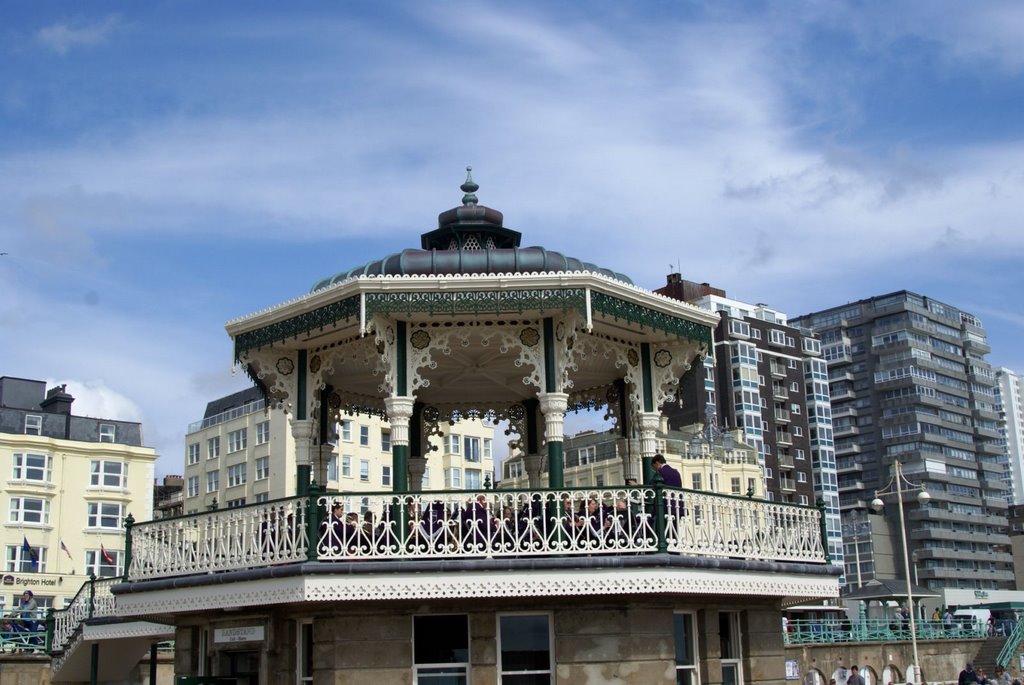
(170, 165)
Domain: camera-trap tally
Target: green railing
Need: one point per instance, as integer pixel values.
(1013, 642)
(828, 631)
(22, 633)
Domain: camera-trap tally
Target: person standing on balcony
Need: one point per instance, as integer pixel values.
(668, 474)
(855, 678)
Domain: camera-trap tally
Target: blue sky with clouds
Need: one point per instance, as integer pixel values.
(168, 166)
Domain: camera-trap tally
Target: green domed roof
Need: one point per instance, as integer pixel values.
(470, 240)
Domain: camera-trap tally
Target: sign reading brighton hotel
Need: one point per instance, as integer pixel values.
(33, 580)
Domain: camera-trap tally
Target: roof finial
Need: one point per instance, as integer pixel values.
(469, 187)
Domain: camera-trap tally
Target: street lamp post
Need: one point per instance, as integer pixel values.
(897, 486)
(713, 436)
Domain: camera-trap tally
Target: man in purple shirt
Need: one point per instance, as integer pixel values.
(668, 474)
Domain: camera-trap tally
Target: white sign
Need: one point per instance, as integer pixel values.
(239, 634)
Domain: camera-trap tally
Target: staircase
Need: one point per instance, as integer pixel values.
(986, 656)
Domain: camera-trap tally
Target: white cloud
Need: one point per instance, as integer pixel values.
(96, 399)
(63, 37)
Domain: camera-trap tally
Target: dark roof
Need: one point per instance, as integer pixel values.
(885, 589)
(469, 240)
(238, 399)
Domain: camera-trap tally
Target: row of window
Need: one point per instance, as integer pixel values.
(237, 440)
(525, 649)
(34, 426)
(35, 510)
(39, 468)
(21, 560)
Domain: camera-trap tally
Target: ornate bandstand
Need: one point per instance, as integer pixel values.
(472, 326)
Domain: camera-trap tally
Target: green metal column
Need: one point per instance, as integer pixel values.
(94, 664)
(400, 453)
(556, 460)
(302, 471)
(647, 397)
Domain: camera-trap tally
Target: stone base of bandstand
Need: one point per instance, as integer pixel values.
(616, 639)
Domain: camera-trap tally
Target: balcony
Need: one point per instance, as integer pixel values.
(780, 392)
(441, 525)
(778, 370)
(783, 438)
(782, 415)
(787, 484)
(786, 461)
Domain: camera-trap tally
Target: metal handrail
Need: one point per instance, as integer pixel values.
(833, 630)
(1013, 642)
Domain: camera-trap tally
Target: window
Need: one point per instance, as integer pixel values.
(385, 441)
(108, 474)
(237, 440)
(802, 499)
(364, 470)
(107, 432)
(29, 510)
(263, 468)
(734, 486)
(212, 481)
(192, 487)
(236, 475)
(473, 479)
(261, 497)
(798, 431)
(105, 515)
(588, 455)
(524, 649)
(346, 431)
(686, 649)
(103, 566)
(695, 481)
(767, 472)
(472, 449)
(385, 475)
(454, 443)
(263, 432)
(213, 448)
(304, 652)
(453, 478)
(441, 649)
(364, 436)
(801, 477)
(20, 560)
(332, 467)
(193, 453)
(729, 641)
(35, 467)
(33, 424)
(346, 466)
(235, 503)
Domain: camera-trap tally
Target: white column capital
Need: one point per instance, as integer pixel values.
(417, 467)
(532, 463)
(649, 422)
(553, 406)
(399, 412)
(302, 432)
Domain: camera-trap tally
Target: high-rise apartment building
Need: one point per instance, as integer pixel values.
(909, 382)
(766, 378)
(69, 482)
(1009, 389)
(241, 452)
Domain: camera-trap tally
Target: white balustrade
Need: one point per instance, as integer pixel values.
(491, 523)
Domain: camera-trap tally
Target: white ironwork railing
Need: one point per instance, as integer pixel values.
(462, 524)
(93, 600)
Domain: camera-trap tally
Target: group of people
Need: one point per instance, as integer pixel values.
(969, 676)
(23, 629)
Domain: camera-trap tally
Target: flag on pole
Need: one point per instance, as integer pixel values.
(66, 550)
(29, 552)
(106, 555)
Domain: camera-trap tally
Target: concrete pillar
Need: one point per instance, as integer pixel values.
(649, 424)
(399, 412)
(302, 432)
(553, 406)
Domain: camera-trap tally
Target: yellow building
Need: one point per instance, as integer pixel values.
(600, 459)
(70, 482)
(240, 453)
